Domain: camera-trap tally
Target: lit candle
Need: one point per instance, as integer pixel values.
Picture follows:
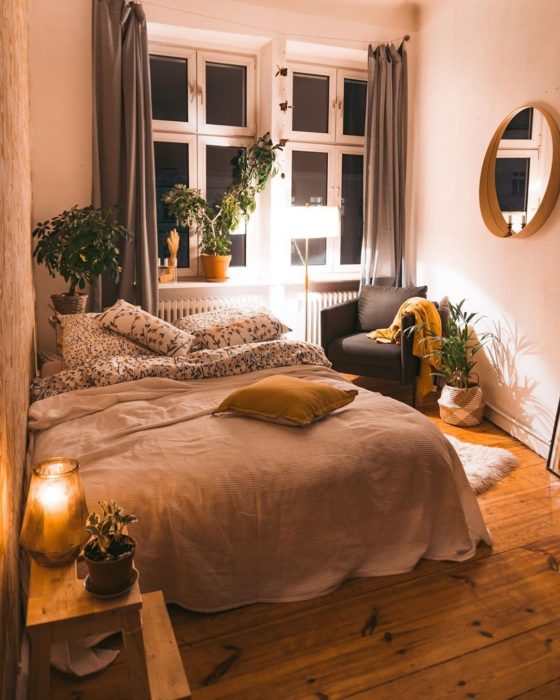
(53, 530)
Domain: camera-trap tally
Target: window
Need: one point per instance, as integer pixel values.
(217, 169)
(522, 163)
(325, 158)
(310, 178)
(203, 108)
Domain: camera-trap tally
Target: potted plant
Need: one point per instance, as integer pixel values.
(461, 401)
(255, 166)
(110, 552)
(79, 244)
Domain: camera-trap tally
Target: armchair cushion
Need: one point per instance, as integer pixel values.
(377, 305)
(359, 354)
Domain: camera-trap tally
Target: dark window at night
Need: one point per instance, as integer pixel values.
(352, 209)
(309, 187)
(512, 183)
(226, 94)
(354, 113)
(169, 78)
(311, 103)
(221, 173)
(172, 168)
(521, 126)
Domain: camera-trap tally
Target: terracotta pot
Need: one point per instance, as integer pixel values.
(112, 576)
(70, 303)
(215, 267)
(463, 407)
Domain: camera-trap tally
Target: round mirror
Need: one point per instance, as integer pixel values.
(520, 177)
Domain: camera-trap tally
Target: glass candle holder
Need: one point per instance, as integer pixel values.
(53, 530)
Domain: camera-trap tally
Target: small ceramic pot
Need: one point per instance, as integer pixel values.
(112, 576)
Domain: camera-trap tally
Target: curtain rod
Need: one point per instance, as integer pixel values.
(406, 37)
(265, 29)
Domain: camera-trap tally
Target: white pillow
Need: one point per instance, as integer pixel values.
(228, 327)
(150, 331)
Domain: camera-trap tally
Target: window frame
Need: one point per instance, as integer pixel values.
(240, 142)
(340, 152)
(341, 75)
(312, 136)
(334, 195)
(249, 62)
(171, 51)
(190, 139)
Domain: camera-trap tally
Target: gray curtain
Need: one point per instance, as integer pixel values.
(123, 150)
(385, 166)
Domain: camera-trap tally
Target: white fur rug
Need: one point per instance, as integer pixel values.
(484, 466)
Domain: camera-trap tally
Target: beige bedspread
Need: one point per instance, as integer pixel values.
(233, 510)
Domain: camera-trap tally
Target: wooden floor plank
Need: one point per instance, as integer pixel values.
(524, 662)
(426, 640)
(449, 615)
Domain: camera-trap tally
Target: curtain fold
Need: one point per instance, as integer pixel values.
(385, 166)
(123, 151)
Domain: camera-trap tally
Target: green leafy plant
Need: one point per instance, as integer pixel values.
(454, 353)
(255, 166)
(108, 541)
(80, 244)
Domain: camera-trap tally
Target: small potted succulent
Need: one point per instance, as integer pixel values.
(79, 244)
(255, 166)
(110, 552)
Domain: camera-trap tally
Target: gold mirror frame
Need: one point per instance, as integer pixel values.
(489, 206)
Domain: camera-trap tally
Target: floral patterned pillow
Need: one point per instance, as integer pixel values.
(84, 340)
(229, 327)
(138, 325)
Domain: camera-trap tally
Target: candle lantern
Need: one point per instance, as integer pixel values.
(53, 530)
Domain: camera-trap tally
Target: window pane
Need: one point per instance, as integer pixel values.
(226, 94)
(221, 173)
(354, 107)
(309, 187)
(172, 168)
(352, 210)
(512, 183)
(521, 126)
(169, 78)
(311, 103)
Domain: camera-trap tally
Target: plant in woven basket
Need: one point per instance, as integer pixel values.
(80, 244)
(453, 356)
(254, 167)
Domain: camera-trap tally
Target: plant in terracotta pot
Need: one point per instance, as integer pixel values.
(255, 166)
(110, 552)
(461, 401)
(79, 244)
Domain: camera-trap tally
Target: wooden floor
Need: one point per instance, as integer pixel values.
(488, 628)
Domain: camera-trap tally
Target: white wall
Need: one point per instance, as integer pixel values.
(60, 101)
(477, 61)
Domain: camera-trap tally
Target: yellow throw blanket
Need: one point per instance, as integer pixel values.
(425, 313)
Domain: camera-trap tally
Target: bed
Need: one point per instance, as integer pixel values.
(233, 510)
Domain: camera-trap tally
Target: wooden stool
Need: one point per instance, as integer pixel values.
(60, 610)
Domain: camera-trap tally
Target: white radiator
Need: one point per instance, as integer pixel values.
(172, 309)
(322, 300)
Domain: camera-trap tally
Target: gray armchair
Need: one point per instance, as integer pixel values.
(344, 330)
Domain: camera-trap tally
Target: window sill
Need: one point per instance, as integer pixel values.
(289, 280)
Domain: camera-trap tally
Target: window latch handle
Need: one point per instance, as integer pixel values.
(192, 89)
(201, 94)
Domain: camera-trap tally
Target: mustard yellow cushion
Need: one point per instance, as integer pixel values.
(287, 400)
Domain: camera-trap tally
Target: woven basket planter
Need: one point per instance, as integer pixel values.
(69, 304)
(463, 407)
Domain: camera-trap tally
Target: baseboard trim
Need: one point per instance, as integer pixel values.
(518, 430)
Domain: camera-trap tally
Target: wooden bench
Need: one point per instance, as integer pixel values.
(60, 610)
